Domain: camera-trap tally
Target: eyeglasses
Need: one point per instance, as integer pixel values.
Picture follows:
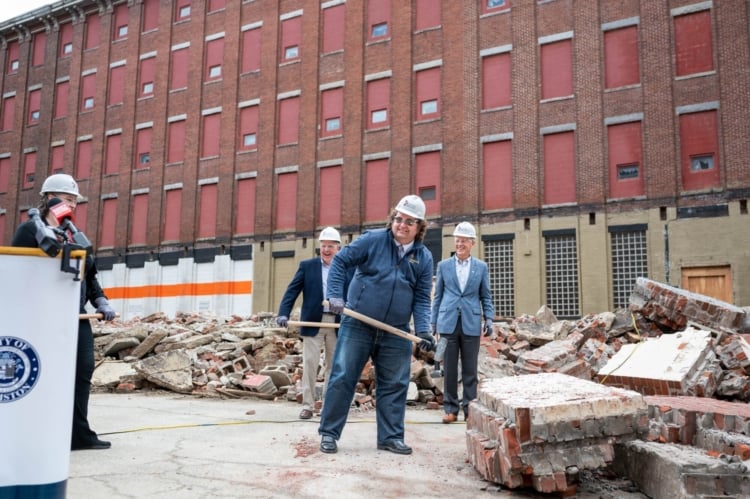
(408, 221)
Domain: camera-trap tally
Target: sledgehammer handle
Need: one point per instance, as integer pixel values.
(94, 316)
(380, 325)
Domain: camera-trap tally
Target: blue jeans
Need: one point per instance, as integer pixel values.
(391, 356)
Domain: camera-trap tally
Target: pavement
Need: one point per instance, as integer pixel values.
(167, 445)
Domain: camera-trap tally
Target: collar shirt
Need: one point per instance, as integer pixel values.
(324, 277)
(462, 271)
(403, 248)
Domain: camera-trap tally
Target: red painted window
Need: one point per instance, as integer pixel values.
(427, 15)
(214, 5)
(150, 15)
(428, 179)
(116, 92)
(82, 216)
(245, 213)
(248, 131)
(211, 135)
(497, 168)
(120, 24)
(179, 77)
(559, 168)
(35, 106)
(330, 196)
(172, 214)
(91, 31)
(66, 40)
(214, 59)
(62, 91)
(9, 112)
(291, 37)
(286, 201)
(109, 223)
(332, 109)
(207, 216)
(176, 142)
(489, 6)
(88, 89)
(29, 170)
(333, 28)
(288, 121)
(378, 103)
(699, 150)
(4, 175)
(693, 43)
(143, 148)
(39, 48)
(2, 223)
(57, 163)
(378, 19)
(139, 219)
(250, 50)
(376, 190)
(112, 154)
(428, 94)
(625, 160)
(182, 10)
(557, 69)
(83, 159)
(496, 81)
(147, 77)
(12, 63)
(621, 65)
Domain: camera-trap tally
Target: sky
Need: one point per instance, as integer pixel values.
(13, 8)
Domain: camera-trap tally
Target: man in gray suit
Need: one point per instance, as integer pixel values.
(462, 297)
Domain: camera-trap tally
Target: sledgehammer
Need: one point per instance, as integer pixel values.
(380, 325)
(312, 324)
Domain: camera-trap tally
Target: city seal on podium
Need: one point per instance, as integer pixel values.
(19, 368)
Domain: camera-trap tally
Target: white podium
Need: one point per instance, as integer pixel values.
(39, 305)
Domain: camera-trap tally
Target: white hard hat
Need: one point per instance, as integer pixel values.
(465, 229)
(329, 234)
(412, 205)
(60, 182)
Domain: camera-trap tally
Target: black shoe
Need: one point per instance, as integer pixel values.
(328, 445)
(396, 446)
(93, 445)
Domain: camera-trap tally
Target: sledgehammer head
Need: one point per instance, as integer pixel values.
(437, 372)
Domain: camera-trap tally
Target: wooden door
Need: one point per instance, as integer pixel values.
(715, 282)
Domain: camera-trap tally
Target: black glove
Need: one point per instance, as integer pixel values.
(488, 329)
(428, 341)
(282, 320)
(336, 305)
(103, 307)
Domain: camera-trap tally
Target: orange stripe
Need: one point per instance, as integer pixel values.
(188, 289)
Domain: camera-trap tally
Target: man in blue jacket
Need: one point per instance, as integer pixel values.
(392, 283)
(310, 280)
(462, 297)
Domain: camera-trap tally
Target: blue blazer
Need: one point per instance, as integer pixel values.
(474, 302)
(308, 280)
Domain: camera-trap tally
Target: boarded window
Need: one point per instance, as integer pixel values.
(139, 219)
(428, 94)
(427, 14)
(120, 24)
(83, 159)
(330, 196)
(40, 46)
(62, 91)
(112, 158)
(378, 103)
(4, 175)
(332, 108)
(88, 90)
(489, 6)
(35, 106)
(176, 142)
(9, 112)
(57, 163)
(66, 40)
(109, 223)
(248, 130)
(625, 160)
(92, 30)
(148, 70)
(497, 165)
(12, 63)
(621, 66)
(699, 150)
(179, 74)
(559, 168)
(150, 15)
(291, 37)
(207, 217)
(496, 81)
(214, 59)
(245, 213)
(250, 50)
(211, 135)
(378, 19)
(214, 5)
(333, 28)
(143, 148)
(288, 121)
(116, 93)
(172, 213)
(376, 190)
(428, 179)
(286, 201)
(557, 69)
(29, 170)
(693, 43)
(182, 10)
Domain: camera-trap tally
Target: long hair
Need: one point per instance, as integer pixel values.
(421, 223)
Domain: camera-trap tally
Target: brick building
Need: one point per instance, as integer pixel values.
(590, 142)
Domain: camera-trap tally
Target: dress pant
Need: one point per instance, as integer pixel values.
(466, 348)
(311, 347)
(82, 432)
(391, 356)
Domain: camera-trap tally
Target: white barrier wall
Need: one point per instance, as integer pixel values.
(38, 338)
